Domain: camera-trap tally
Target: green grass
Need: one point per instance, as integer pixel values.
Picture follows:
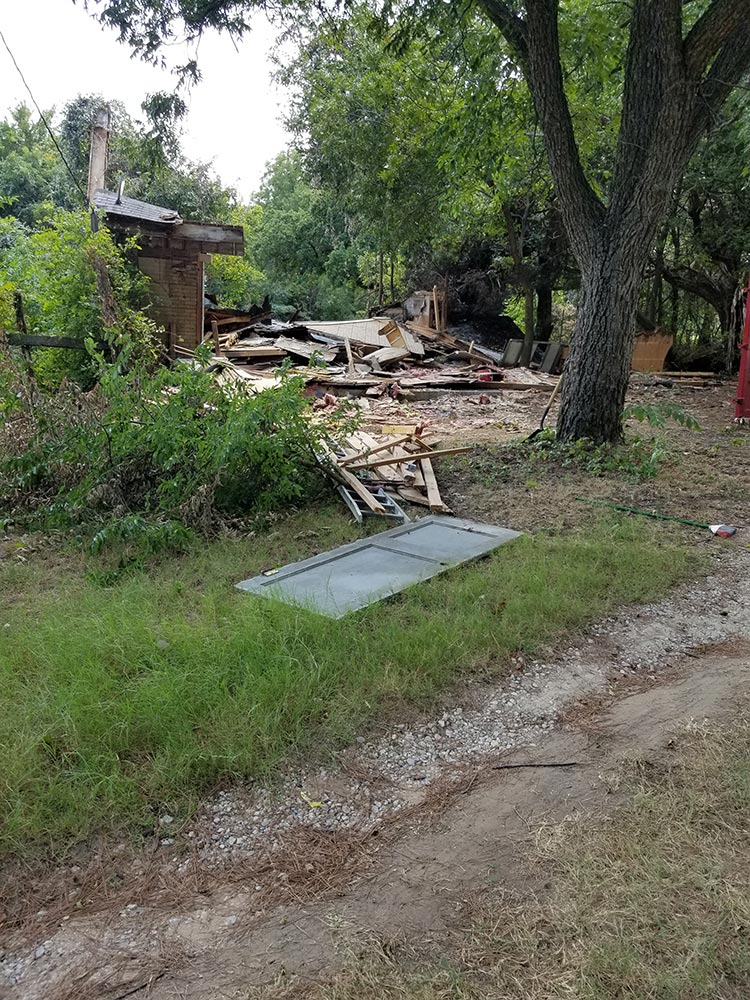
(143, 693)
(650, 904)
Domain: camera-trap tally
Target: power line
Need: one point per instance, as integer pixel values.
(46, 123)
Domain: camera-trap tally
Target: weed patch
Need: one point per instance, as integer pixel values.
(151, 454)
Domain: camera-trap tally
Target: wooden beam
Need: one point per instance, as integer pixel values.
(374, 451)
(355, 485)
(361, 441)
(239, 352)
(350, 357)
(415, 457)
(215, 334)
(41, 340)
(413, 495)
(208, 233)
(433, 493)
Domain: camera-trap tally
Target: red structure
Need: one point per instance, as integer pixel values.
(742, 410)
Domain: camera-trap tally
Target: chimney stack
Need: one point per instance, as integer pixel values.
(98, 152)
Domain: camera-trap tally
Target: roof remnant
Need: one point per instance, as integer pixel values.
(132, 208)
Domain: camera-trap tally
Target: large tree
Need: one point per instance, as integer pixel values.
(676, 77)
(683, 59)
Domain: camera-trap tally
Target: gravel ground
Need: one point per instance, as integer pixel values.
(379, 779)
(399, 769)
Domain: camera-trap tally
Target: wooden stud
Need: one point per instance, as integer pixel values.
(374, 451)
(355, 485)
(413, 457)
(350, 358)
(433, 493)
(215, 332)
(413, 496)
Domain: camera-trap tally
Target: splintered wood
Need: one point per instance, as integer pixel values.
(400, 465)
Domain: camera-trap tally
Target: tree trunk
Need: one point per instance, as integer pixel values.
(654, 307)
(601, 350)
(528, 326)
(543, 312)
(20, 318)
(732, 324)
(380, 279)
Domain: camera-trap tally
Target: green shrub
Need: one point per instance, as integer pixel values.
(58, 273)
(151, 451)
(637, 457)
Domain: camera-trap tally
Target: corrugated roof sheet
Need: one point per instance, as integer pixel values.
(131, 208)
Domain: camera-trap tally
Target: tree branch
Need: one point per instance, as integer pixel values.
(653, 99)
(722, 19)
(729, 66)
(537, 46)
(687, 279)
(511, 26)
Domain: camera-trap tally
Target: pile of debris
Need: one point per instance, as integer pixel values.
(391, 469)
(372, 357)
(378, 357)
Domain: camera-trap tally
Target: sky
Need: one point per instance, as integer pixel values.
(234, 116)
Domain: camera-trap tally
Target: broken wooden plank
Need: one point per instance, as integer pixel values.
(305, 350)
(433, 493)
(388, 356)
(413, 495)
(425, 332)
(386, 446)
(215, 334)
(350, 357)
(42, 340)
(413, 457)
(354, 484)
(411, 343)
(254, 352)
(361, 441)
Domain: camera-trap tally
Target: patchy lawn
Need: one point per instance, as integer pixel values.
(701, 475)
(126, 692)
(651, 902)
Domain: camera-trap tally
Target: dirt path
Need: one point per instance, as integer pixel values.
(464, 820)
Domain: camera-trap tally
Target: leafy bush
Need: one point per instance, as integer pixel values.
(58, 272)
(151, 451)
(638, 458)
(657, 415)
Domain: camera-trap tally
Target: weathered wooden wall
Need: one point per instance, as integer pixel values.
(177, 289)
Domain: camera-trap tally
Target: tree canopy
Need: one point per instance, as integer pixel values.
(529, 150)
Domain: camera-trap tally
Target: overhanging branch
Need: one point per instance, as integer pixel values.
(536, 43)
(512, 27)
(710, 32)
(729, 66)
(582, 209)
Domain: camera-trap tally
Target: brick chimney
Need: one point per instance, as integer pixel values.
(98, 152)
